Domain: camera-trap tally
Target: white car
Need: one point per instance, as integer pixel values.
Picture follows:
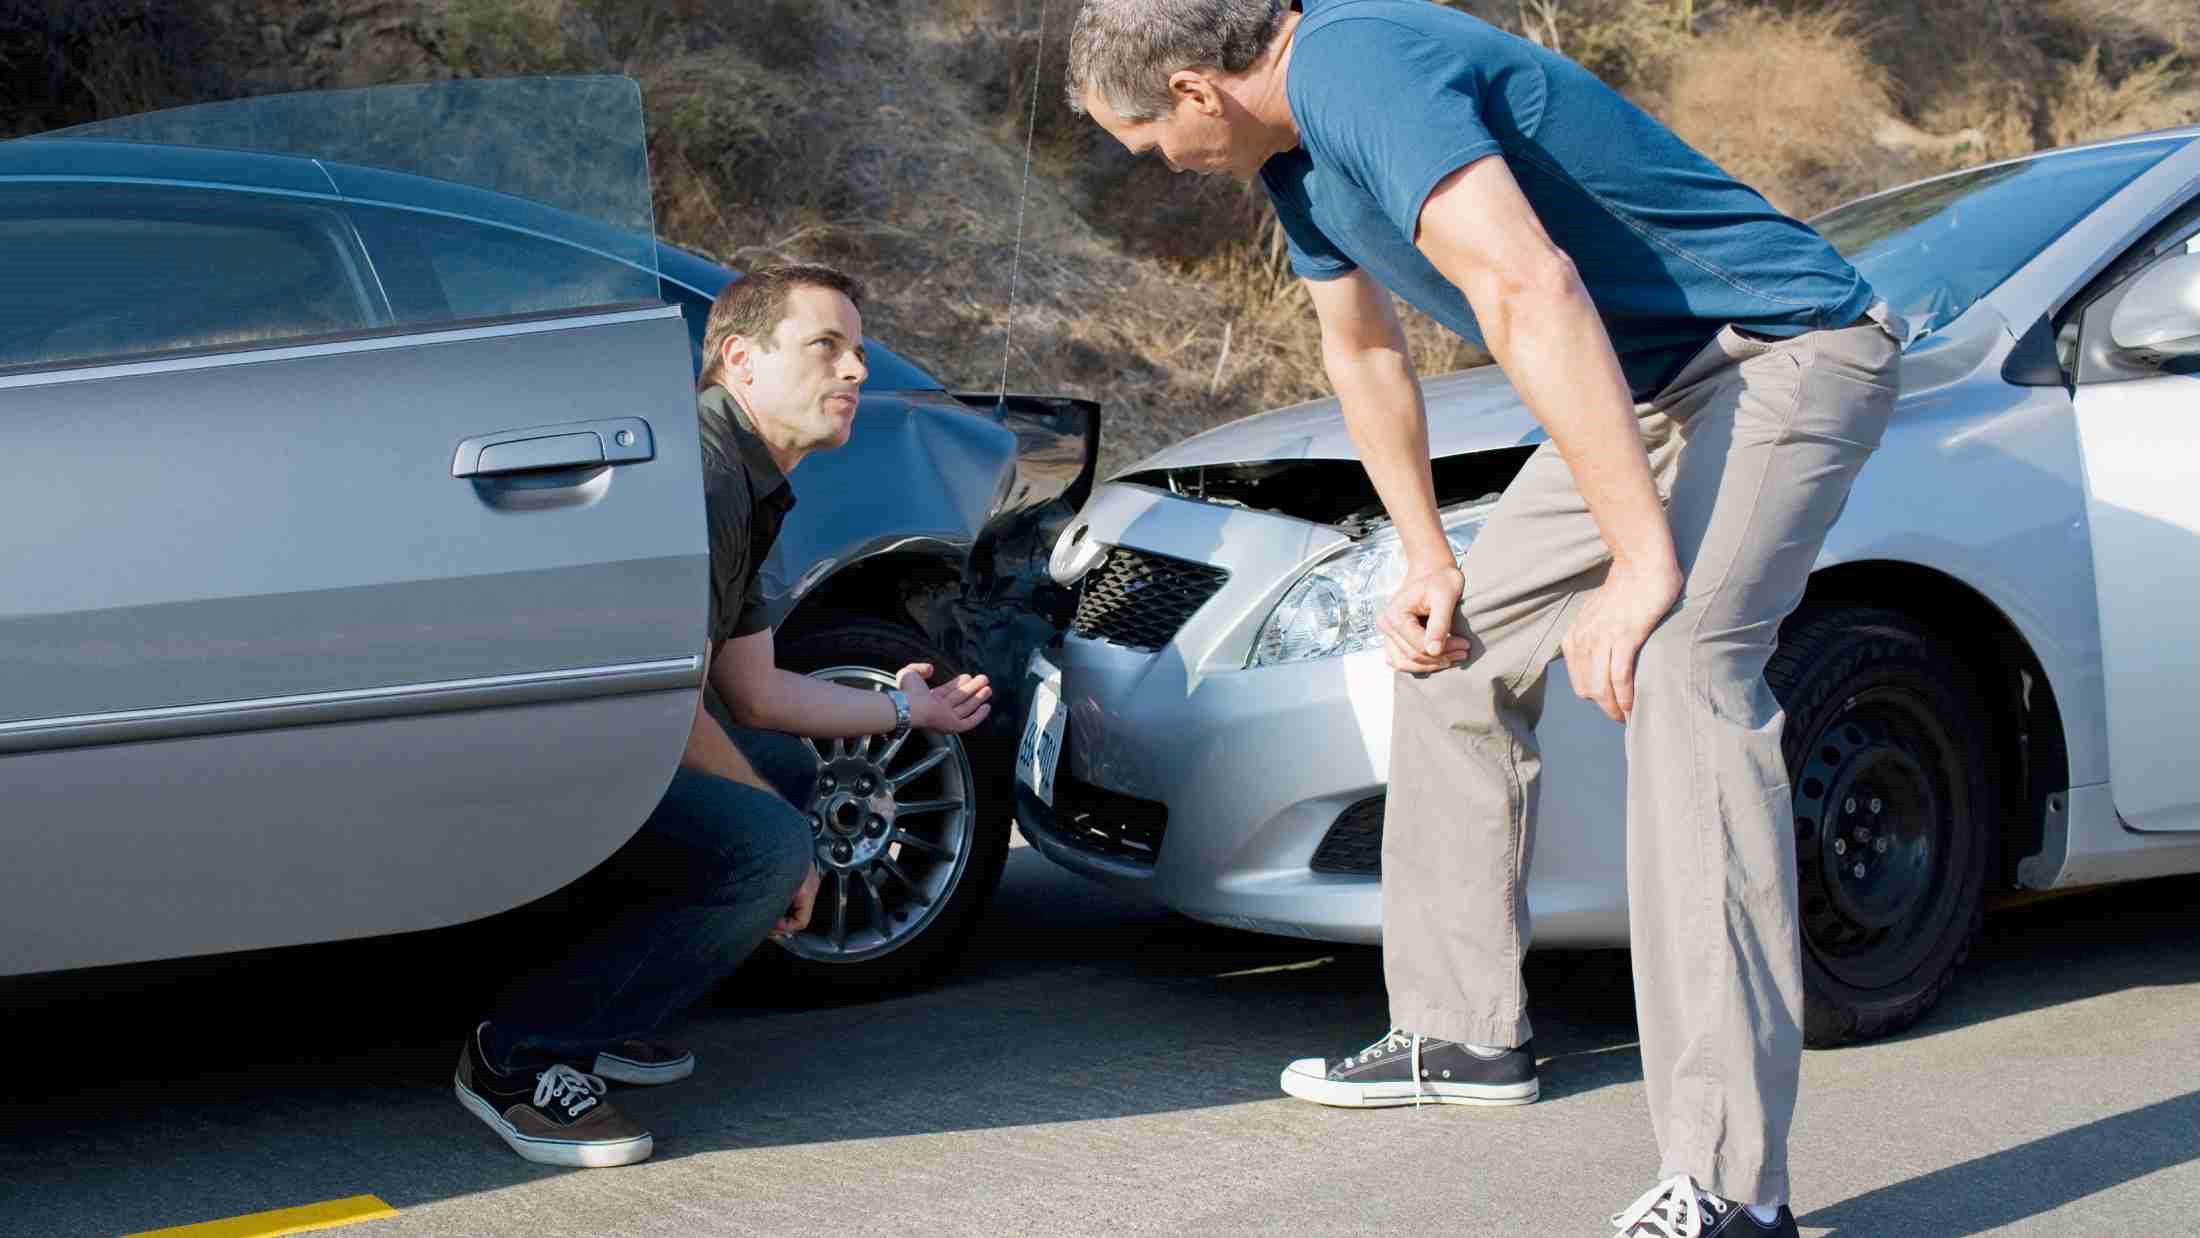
(1990, 685)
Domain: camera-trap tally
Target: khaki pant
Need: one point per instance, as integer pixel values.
(1754, 446)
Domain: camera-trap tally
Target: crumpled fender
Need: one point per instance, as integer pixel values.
(981, 484)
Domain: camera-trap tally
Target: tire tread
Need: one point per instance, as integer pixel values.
(1811, 659)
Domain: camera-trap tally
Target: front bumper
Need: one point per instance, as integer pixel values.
(1254, 765)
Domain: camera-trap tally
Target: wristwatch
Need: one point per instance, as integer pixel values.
(901, 711)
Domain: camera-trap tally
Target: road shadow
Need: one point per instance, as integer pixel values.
(207, 1088)
(2067, 948)
(1985, 1193)
(210, 1088)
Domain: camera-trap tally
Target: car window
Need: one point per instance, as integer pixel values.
(435, 268)
(2083, 347)
(108, 270)
(1934, 249)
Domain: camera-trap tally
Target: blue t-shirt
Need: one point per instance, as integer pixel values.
(1392, 96)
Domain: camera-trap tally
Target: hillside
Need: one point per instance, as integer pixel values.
(889, 137)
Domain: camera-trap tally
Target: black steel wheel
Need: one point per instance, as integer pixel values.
(1895, 788)
(911, 837)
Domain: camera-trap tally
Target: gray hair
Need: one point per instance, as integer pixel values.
(1125, 50)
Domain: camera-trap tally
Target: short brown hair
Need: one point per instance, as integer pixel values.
(753, 305)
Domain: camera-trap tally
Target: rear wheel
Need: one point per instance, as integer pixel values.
(1895, 789)
(911, 837)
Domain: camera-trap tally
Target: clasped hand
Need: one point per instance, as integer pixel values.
(1600, 648)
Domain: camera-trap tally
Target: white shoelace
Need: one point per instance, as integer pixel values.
(563, 1085)
(1395, 1038)
(1671, 1209)
(1392, 1041)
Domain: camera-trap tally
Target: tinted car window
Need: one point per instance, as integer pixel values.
(1934, 249)
(435, 268)
(107, 270)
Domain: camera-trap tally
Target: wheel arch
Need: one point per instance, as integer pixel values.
(2027, 720)
(903, 584)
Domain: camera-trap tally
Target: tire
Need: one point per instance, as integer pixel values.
(1893, 771)
(920, 942)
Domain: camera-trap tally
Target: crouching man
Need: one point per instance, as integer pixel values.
(726, 858)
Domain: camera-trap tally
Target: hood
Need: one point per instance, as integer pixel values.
(1468, 411)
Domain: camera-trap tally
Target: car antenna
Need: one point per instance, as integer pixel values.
(1031, 131)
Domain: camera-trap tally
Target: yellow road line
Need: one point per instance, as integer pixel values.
(298, 1220)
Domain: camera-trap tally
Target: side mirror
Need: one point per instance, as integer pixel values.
(2161, 313)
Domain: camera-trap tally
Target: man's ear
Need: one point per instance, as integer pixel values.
(734, 354)
(1191, 84)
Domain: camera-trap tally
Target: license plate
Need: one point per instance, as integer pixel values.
(1041, 748)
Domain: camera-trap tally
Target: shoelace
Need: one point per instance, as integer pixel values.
(1392, 1041)
(563, 1085)
(1671, 1209)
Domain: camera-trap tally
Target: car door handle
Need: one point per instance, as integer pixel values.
(574, 444)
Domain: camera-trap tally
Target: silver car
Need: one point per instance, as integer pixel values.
(352, 533)
(1989, 686)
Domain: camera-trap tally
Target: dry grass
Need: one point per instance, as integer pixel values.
(1787, 102)
(67, 61)
(2033, 73)
(889, 136)
(2088, 103)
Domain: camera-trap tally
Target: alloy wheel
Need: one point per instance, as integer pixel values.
(894, 824)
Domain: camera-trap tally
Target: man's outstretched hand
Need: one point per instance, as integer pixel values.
(1608, 634)
(954, 707)
(1416, 625)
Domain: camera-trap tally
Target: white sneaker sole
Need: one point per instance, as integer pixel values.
(578, 1154)
(1322, 1090)
(626, 1070)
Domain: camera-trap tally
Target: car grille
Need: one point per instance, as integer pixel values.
(1141, 600)
(1354, 845)
(1108, 822)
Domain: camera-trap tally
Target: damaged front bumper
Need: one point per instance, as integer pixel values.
(1008, 606)
(1212, 785)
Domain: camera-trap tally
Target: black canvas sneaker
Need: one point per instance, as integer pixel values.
(555, 1116)
(1405, 1069)
(645, 1062)
(1675, 1208)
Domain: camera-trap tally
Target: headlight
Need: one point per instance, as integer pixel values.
(1332, 609)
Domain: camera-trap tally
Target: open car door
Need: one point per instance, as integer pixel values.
(355, 559)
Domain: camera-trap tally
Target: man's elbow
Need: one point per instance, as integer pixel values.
(1527, 288)
(742, 709)
(1348, 358)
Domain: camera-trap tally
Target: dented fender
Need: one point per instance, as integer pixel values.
(953, 502)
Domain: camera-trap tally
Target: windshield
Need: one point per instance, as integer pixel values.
(574, 145)
(1933, 249)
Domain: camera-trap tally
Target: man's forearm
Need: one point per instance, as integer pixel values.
(801, 705)
(1555, 350)
(1383, 411)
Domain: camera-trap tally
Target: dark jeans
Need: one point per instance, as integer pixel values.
(669, 915)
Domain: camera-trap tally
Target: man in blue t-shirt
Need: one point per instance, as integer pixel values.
(1712, 377)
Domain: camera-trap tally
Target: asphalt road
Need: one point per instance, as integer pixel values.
(1098, 1067)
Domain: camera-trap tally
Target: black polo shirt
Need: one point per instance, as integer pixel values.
(745, 500)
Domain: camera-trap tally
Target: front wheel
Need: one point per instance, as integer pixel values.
(1892, 767)
(911, 837)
